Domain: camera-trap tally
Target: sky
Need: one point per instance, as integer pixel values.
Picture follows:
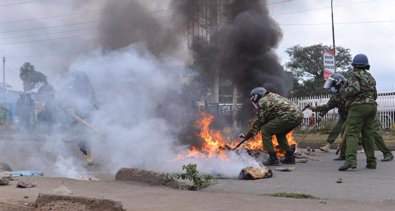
(52, 33)
(363, 26)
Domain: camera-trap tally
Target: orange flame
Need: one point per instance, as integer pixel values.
(215, 143)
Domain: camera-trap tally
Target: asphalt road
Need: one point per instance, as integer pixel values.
(318, 177)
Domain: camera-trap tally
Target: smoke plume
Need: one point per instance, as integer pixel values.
(146, 97)
(241, 48)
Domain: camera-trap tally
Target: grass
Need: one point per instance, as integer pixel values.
(294, 195)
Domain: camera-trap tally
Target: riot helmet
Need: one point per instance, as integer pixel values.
(257, 93)
(360, 61)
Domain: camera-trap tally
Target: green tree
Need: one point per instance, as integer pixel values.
(306, 64)
(30, 77)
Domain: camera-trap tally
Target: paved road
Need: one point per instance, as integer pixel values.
(318, 178)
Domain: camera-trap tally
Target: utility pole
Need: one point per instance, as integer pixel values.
(4, 101)
(333, 35)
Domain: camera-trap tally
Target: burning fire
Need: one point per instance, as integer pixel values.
(215, 143)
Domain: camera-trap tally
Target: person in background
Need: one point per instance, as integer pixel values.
(337, 100)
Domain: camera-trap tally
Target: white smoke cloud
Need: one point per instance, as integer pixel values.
(131, 85)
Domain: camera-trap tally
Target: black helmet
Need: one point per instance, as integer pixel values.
(257, 93)
(336, 80)
(361, 61)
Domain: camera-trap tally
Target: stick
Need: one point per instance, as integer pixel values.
(84, 122)
(341, 141)
(241, 142)
(307, 133)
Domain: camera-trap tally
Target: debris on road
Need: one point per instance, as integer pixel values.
(339, 180)
(251, 173)
(25, 184)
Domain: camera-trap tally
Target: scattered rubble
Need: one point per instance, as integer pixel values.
(339, 180)
(251, 173)
(25, 184)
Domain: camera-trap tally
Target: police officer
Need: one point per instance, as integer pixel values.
(361, 95)
(277, 116)
(337, 100)
(77, 97)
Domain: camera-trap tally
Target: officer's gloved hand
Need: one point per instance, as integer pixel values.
(245, 136)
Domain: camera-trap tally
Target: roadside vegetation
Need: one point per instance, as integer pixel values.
(293, 195)
(191, 174)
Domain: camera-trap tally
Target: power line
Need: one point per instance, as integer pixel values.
(91, 36)
(19, 3)
(337, 23)
(49, 34)
(322, 8)
(47, 27)
(279, 2)
(50, 17)
(12, 72)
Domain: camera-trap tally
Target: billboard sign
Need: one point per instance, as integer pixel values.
(329, 63)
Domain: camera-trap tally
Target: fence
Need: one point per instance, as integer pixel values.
(385, 108)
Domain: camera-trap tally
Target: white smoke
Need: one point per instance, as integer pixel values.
(131, 85)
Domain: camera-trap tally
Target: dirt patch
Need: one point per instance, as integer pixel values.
(73, 203)
(149, 177)
(14, 207)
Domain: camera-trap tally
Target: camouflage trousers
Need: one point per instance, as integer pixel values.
(378, 140)
(360, 120)
(280, 128)
(336, 130)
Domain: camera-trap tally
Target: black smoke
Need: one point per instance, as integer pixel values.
(241, 47)
(125, 22)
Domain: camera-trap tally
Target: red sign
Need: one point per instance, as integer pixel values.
(329, 63)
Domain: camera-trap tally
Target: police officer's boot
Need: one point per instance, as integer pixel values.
(289, 158)
(89, 158)
(272, 161)
(387, 158)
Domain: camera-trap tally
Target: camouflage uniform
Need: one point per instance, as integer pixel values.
(276, 115)
(361, 95)
(337, 100)
(378, 140)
